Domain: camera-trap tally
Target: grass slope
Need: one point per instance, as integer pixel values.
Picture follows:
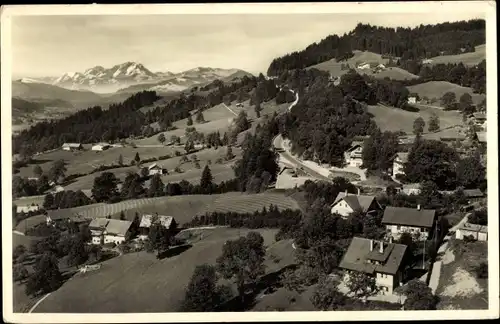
(395, 119)
(159, 283)
(334, 67)
(469, 59)
(436, 89)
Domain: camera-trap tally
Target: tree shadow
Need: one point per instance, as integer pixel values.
(173, 251)
(268, 283)
(39, 161)
(410, 108)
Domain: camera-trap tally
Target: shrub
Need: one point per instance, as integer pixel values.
(482, 270)
(177, 153)
(19, 273)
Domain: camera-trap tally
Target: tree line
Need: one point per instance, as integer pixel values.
(405, 43)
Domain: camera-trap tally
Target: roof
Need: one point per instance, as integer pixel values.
(72, 145)
(355, 144)
(481, 137)
(56, 214)
(117, 227)
(411, 186)
(101, 144)
(358, 256)
(478, 115)
(409, 216)
(356, 202)
(99, 223)
(474, 227)
(473, 193)
(403, 156)
(153, 166)
(166, 221)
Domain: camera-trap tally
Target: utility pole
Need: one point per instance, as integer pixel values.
(423, 256)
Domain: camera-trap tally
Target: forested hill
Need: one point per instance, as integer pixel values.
(404, 43)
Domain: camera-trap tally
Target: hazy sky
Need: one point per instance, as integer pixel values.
(52, 45)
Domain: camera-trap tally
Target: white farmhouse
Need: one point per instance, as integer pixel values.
(412, 99)
(116, 231)
(27, 209)
(101, 147)
(381, 260)
(416, 221)
(398, 164)
(354, 155)
(364, 66)
(155, 169)
(97, 227)
(72, 146)
(346, 203)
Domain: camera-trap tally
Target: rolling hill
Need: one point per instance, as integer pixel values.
(469, 59)
(436, 89)
(335, 68)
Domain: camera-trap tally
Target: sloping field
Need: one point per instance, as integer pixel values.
(436, 89)
(218, 118)
(395, 119)
(183, 208)
(85, 161)
(138, 282)
(190, 173)
(466, 58)
(394, 73)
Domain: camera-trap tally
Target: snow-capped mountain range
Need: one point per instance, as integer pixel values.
(135, 75)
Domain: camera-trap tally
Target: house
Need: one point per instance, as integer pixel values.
(406, 140)
(97, 227)
(478, 232)
(412, 99)
(166, 221)
(473, 194)
(411, 189)
(382, 260)
(116, 231)
(364, 66)
(353, 155)
(346, 203)
(427, 61)
(381, 66)
(27, 209)
(479, 117)
(155, 169)
(417, 221)
(57, 189)
(239, 105)
(481, 137)
(117, 145)
(32, 178)
(398, 164)
(101, 147)
(72, 146)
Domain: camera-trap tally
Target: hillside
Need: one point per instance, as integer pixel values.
(334, 67)
(405, 43)
(470, 59)
(436, 89)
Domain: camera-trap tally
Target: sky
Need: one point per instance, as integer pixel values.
(53, 45)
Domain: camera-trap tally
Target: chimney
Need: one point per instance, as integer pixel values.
(418, 207)
(371, 245)
(381, 247)
(346, 193)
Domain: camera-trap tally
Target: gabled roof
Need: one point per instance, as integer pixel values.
(358, 255)
(354, 145)
(99, 223)
(402, 156)
(117, 227)
(473, 193)
(153, 166)
(166, 221)
(479, 115)
(72, 145)
(356, 202)
(409, 216)
(481, 137)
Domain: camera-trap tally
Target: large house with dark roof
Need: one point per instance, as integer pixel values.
(416, 221)
(382, 260)
(354, 155)
(346, 203)
(166, 221)
(398, 164)
(116, 231)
